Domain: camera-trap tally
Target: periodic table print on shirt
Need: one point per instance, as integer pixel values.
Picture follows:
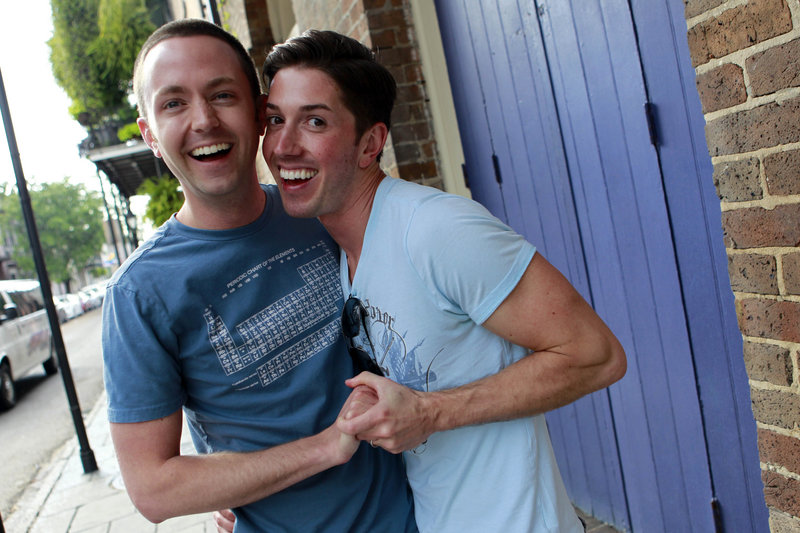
(279, 327)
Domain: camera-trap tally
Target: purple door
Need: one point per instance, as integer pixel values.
(551, 102)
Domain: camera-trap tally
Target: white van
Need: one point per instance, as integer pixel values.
(25, 336)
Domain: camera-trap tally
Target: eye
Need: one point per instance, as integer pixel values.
(171, 104)
(274, 120)
(316, 122)
(223, 96)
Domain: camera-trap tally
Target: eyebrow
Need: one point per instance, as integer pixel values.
(306, 108)
(180, 89)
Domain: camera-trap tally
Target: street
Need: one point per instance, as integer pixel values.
(41, 422)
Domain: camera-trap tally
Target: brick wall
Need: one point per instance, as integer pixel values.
(259, 28)
(387, 27)
(745, 53)
(249, 21)
(234, 19)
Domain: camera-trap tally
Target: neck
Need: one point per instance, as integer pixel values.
(348, 226)
(224, 213)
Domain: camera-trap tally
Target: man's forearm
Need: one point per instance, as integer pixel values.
(536, 384)
(163, 485)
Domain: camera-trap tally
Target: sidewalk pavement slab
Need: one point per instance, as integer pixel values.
(63, 499)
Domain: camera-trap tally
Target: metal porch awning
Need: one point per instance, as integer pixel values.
(127, 165)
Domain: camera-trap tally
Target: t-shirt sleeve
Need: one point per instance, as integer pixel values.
(469, 260)
(142, 377)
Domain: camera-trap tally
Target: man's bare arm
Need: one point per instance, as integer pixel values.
(162, 483)
(573, 354)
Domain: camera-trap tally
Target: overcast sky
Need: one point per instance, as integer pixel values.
(47, 136)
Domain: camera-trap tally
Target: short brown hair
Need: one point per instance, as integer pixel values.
(192, 28)
(368, 88)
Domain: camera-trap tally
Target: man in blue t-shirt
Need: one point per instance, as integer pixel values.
(474, 333)
(230, 315)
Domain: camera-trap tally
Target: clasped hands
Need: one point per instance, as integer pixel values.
(379, 411)
(385, 413)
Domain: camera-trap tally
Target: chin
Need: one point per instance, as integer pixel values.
(298, 211)
(294, 208)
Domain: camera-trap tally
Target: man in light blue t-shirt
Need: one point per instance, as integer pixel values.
(474, 332)
(229, 316)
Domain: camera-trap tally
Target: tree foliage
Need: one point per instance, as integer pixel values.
(165, 195)
(69, 221)
(92, 51)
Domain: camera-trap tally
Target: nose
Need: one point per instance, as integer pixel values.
(204, 117)
(285, 140)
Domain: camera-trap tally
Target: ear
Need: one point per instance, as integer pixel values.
(372, 143)
(261, 113)
(147, 135)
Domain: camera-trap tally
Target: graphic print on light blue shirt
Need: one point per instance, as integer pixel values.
(280, 322)
(388, 347)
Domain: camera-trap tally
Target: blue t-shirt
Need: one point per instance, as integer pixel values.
(433, 268)
(241, 329)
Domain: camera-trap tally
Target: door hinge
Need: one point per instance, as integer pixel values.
(716, 512)
(497, 176)
(650, 114)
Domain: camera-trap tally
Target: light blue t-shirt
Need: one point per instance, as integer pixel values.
(241, 328)
(433, 267)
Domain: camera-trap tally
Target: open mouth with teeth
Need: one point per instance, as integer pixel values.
(214, 151)
(297, 176)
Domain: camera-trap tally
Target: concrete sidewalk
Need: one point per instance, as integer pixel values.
(62, 499)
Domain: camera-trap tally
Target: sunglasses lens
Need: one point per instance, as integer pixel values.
(362, 361)
(351, 317)
(353, 314)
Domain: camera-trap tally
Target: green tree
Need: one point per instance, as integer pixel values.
(69, 220)
(165, 195)
(92, 51)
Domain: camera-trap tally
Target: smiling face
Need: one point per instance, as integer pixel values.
(311, 145)
(201, 119)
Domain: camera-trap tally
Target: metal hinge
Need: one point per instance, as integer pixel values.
(650, 114)
(716, 512)
(497, 176)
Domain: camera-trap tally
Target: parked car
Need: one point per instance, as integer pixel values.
(25, 336)
(68, 306)
(91, 297)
